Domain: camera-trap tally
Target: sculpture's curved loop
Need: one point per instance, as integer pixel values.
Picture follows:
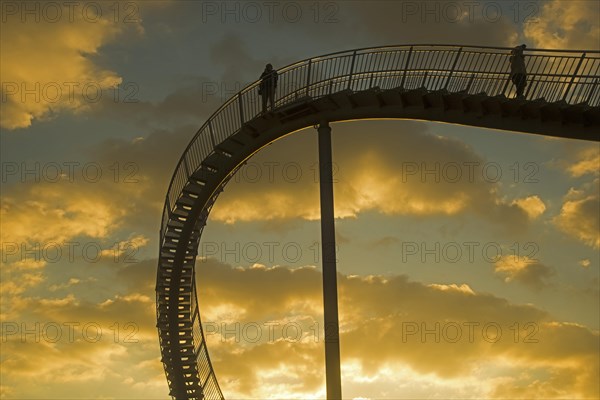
(458, 84)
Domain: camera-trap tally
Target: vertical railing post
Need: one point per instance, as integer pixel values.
(351, 69)
(185, 164)
(166, 215)
(573, 77)
(160, 230)
(530, 85)
(424, 79)
(308, 77)
(453, 67)
(508, 80)
(406, 67)
(241, 109)
(212, 136)
(470, 83)
(592, 91)
(506, 85)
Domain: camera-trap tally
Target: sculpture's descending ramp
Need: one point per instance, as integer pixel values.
(463, 85)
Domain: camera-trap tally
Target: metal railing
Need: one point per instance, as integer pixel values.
(553, 75)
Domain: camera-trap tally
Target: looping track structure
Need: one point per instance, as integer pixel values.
(464, 85)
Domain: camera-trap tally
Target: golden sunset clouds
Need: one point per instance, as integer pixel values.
(442, 333)
(48, 66)
(80, 323)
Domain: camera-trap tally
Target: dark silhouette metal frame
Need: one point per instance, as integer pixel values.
(568, 80)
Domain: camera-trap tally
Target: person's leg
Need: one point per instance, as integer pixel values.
(272, 99)
(516, 79)
(515, 83)
(523, 83)
(264, 102)
(520, 85)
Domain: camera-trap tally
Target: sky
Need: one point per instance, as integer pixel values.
(485, 286)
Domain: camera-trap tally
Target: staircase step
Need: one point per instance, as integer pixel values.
(213, 162)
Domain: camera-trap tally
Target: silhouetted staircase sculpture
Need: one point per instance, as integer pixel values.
(446, 83)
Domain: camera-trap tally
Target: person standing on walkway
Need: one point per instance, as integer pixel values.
(267, 87)
(518, 73)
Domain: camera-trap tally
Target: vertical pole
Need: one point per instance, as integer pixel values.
(406, 68)
(592, 91)
(241, 109)
(351, 69)
(470, 83)
(185, 164)
(308, 77)
(453, 67)
(424, 79)
(330, 303)
(573, 77)
(212, 135)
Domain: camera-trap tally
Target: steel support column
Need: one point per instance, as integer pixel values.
(330, 301)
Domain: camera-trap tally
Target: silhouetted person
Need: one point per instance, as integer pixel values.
(267, 87)
(518, 73)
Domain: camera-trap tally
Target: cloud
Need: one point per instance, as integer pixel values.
(565, 25)
(588, 162)
(127, 184)
(524, 270)
(533, 206)
(389, 326)
(190, 104)
(12, 288)
(231, 51)
(579, 216)
(393, 173)
(386, 241)
(47, 213)
(70, 78)
(585, 263)
(82, 366)
(49, 230)
(269, 302)
(464, 288)
(126, 247)
(420, 22)
(196, 96)
(71, 282)
(90, 344)
(47, 225)
(378, 316)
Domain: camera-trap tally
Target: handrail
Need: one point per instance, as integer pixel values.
(483, 67)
